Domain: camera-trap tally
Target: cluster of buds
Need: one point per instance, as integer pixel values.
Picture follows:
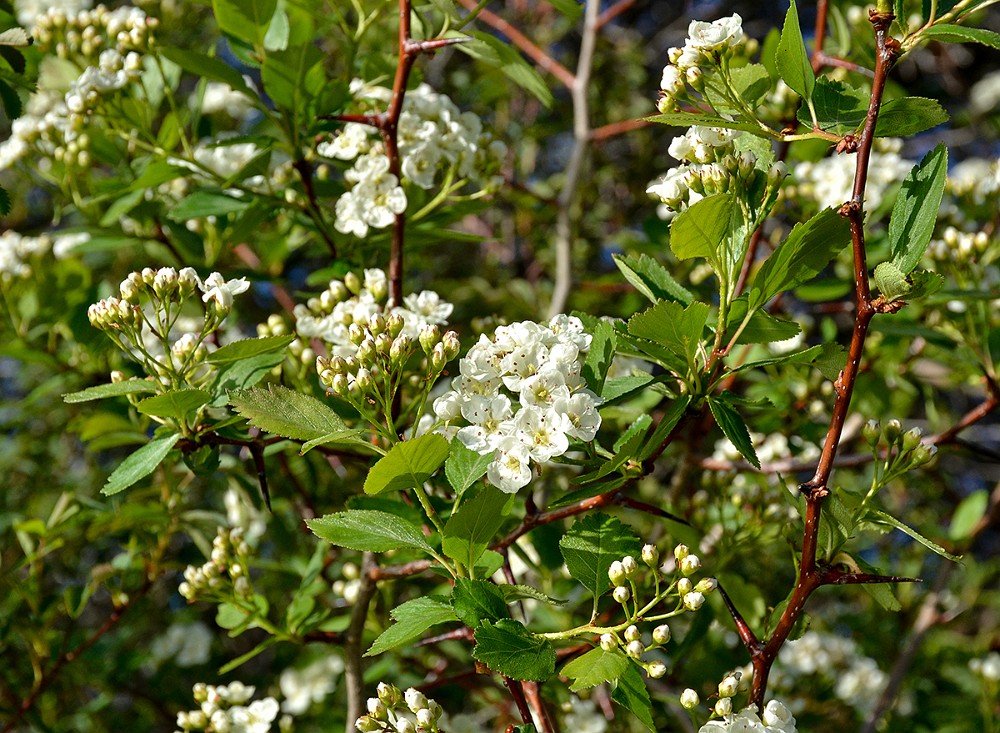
(300, 354)
(226, 567)
(730, 685)
(87, 33)
(115, 314)
(623, 575)
(400, 712)
(222, 709)
(905, 450)
(959, 247)
(164, 284)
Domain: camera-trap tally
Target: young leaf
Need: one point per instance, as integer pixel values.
(201, 204)
(595, 667)
(140, 464)
(413, 618)
(891, 281)
(494, 52)
(840, 107)
(685, 119)
(949, 33)
(243, 374)
(763, 328)
(246, 20)
(908, 116)
(967, 515)
(368, 530)
(652, 279)
(408, 464)
(600, 356)
(702, 230)
(285, 412)
(808, 248)
(630, 692)
(732, 425)
(592, 544)
(294, 76)
(792, 59)
(880, 517)
(513, 593)
(246, 348)
(476, 601)
(469, 530)
(176, 404)
(464, 466)
(916, 209)
(666, 426)
(510, 649)
(667, 323)
(115, 389)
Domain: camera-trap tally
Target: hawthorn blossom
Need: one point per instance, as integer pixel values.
(714, 36)
(221, 291)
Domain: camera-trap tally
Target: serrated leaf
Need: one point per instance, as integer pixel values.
(924, 283)
(294, 76)
(666, 426)
(603, 345)
(469, 530)
(247, 348)
(176, 404)
(246, 20)
(475, 601)
(703, 229)
(497, 54)
(464, 466)
(908, 116)
(916, 209)
(592, 544)
(201, 204)
(891, 281)
(840, 107)
(408, 464)
(413, 618)
(880, 517)
(368, 530)
(208, 67)
(595, 667)
(669, 324)
(685, 119)
(285, 412)
(762, 328)
(967, 515)
(808, 249)
(15, 37)
(792, 60)
(950, 33)
(732, 425)
(115, 389)
(140, 464)
(621, 386)
(630, 692)
(243, 374)
(652, 279)
(508, 648)
(829, 359)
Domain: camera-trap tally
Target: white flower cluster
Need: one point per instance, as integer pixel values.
(776, 719)
(220, 98)
(304, 687)
(222, 709)
(29, 11)
(582, 716)
(976, 180)
(689, 64)
(329, 316)
(400, 712)
(829, 181)
(523, 396)
(112, 73)
(17, 251)
(988, 667)
(959, 247)
(433, 135)
(710, 165)
(71, 30)
(226, 565)
(188, 644)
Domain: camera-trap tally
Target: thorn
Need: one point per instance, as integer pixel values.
(415, 47)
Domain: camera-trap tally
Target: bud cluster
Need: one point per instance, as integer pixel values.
(959, 247)
(222, 709)
(86, 34)
(225, 571)
(904, 449)
(400, 712)
(300, 356)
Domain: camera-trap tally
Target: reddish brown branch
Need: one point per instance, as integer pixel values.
(616, 128)
(972, 416)
(613, 12)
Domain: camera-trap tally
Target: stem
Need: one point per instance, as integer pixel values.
(353, 671)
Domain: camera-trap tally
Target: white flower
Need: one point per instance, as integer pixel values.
(583, 716)
(429, 306)
(303, 687)
(511, 469)
(256, 718)
(672, 187)
(216, 288)
(541, 432)
(488, 416)
(188, 644)
(672, 80)
(580, 411)
(714, 36)
(348, 144)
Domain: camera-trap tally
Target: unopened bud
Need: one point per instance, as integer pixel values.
(451, 344)
(724, 706)
(729, 686)
(693, 600)
(621, 594)
(680, 552)
(630, 566)
(389, 694)
(656, 670)
(376, 323)
(405, 725)
(367, 724)
(695, 78)
(394, 324)
(356, 333)
(635, 649)
(366, 352)
(706, 585)
(872, 432)
(684, 585)
(690, 565)
(650, 555)
(415, 700)
(661, 634)
(429, 337)
(608, 643)
(383, 342)
(923, 453)
(353, 283)
(911, 439)
(400, 349)
(632, 633)
(776, 173)
(893, 429)
(438, 358)
(690, 699)
(616, 572)
(377, 709)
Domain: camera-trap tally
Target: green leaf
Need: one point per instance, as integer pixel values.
(494, 52)
(949, 33)
(464, 466)
(908, 116)
(703, 229)
(246, 20)
(509, 649)
(630, 692)
(12, 105)
(513, 593)
(290, 414)
(592, 544)
(243, 374)
(276, 38)
(733, 427)
(891, 281)
(967, 515)
(916, 209)
(208, 67)
(176, 404)
(595, 667)
(368, 530)
(247, 348)
(763, 328)
(808, 249)
(408, 464)
(294, 76)
(792, 59)
(685, 119)
(840, 107)
(666, 426)
(140, 464)
(201, 204)
(413, 618)
(924, 283)
(652, 279)
(829, 359)
(621, 386)
(880, 517)
(669, 324)
(600, 356)
(469, 530)
(115, 389)
(476, 601)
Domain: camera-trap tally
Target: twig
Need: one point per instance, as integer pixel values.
(613, 12)
(353, 672)
(581, 139)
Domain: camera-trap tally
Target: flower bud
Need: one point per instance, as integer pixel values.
(684, 586)
(405, 725)
(693, 600)
(690, 565)
(389, 694)
(872, 432)
(376, 323)
(635, 649)
(394, 324)
(776, 173)
(706, 585)
(632, 633)
(425, 718)
(366, 352)
(608, 643)
(656, 670)
(616, 572)
(695, 78)
(630, 566)
(400, 349)
(366, 724)
(650, 555)
(429, 337)
(377, 709)
(383, 342)
(340, 385)
(353, 283)
(661, 634)
(923, 453)
(356, 334)
(911, 439)
(621, 594)
(364, 380)
(724, 706)
(689, 699)
(680, 552)
(451, 344)
(893, 429)
(729, 686)
(438, 358)
(415, 700)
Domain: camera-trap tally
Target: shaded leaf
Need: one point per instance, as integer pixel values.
(630, 692)
(115, 389)
(592, 544)
(733, 427)
(880, 517)
(652, 279)
(201, 204)
(967, 515)
(686, 119)
(595, 667)
(475, 601)
(469, 530)
(176, 404)
(239, 350)
(916, 209)
(950, 33)
(510, 649)
(497, 54)
(600, 356)
(407, 465)
(413, 618)
(140, 464)
(368, 530)
(246, 20)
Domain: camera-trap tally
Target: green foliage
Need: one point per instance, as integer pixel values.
(471, 528)
(792, 60)
(507, 648)
(916, 209)
(591, 545)
(595, 667)
(407, 465)
(140, 464)
(413, 618)
(369, 530)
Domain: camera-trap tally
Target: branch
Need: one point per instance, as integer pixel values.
(353, 671)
